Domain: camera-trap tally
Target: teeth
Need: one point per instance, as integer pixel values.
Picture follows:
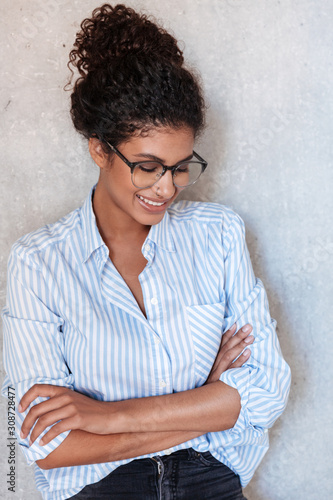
(151, 202)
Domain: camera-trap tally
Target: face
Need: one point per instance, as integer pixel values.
(129, 204)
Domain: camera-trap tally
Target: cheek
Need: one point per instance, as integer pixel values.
(178, 191)
(120, 182)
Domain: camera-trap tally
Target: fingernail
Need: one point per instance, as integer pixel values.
(41, 442)
(249, 339)
(19, 408)
(30, 442)
(246, 328)
(21, 435)
(233, 327)
(247, 353)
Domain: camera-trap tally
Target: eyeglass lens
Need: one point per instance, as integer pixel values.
(147, 173)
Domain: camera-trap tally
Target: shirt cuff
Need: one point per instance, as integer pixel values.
(37, 452)
(238, 378)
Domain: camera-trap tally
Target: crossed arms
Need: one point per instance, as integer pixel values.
(109, 431)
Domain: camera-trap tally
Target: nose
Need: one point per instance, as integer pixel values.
(165, 185)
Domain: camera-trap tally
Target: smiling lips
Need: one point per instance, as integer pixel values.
(150, 202)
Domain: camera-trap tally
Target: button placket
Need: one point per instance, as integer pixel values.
(150, 292)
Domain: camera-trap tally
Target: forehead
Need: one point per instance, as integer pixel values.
(168, 144)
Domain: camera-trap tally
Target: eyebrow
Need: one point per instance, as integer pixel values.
(156, 158)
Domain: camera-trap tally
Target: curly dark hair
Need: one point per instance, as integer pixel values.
(131, 78)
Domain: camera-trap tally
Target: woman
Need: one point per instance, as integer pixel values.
(127, 322)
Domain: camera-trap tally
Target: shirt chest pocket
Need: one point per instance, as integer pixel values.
(206, 325)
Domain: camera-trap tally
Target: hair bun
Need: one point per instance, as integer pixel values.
(117, 32)
(131, 78)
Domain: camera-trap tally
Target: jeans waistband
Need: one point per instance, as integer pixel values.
(188, 453)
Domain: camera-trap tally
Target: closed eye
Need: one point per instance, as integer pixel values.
(148, 167)
(183, 168)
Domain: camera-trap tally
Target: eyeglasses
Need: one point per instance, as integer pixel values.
(147, 173)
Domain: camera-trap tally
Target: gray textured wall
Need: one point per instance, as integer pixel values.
(267, 72)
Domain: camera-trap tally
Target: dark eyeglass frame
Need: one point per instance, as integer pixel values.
(173, 169)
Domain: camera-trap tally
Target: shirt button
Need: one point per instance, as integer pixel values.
(147, 247)
(162, 383)
(154, 301)
(157, 341)
(168, 451)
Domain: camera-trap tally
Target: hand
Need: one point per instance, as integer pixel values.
(231, 346)
(70, 409)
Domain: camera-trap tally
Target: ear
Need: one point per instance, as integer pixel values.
(97, 153)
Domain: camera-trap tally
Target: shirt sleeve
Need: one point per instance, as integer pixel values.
(263, 382)
(33, 341)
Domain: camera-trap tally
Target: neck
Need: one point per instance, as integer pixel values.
(113, 224)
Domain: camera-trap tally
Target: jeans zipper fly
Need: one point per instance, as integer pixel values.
(160, 471)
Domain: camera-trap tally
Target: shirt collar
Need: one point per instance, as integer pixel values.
(92, 237)
(161, 234)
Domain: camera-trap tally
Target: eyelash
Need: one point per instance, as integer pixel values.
(147, 169)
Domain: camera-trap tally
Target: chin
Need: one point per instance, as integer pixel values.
(150, 220)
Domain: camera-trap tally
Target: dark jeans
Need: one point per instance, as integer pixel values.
(183, 475)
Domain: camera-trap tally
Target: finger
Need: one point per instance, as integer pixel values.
(62, 426)
(225, 359)
(241, 359)
(41, 409)
(235, 340)
(43, 390)
(51, 418)
(235, 351)
(238, 337)
(228, 334)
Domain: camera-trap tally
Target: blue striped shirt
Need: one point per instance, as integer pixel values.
(71, 320)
